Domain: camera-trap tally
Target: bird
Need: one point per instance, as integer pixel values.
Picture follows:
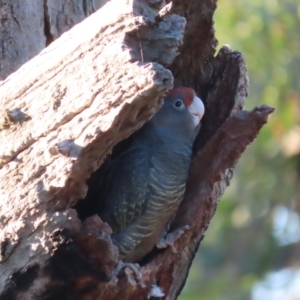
(144, 184)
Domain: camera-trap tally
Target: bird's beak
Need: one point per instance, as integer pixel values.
(196, 109)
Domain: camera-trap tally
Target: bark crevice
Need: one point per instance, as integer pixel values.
(47, 25)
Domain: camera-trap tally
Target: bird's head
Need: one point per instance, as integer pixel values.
(180, 114)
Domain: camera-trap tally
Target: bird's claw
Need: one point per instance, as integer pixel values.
(171, 238)
(133, 266)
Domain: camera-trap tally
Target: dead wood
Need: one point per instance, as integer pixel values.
(64, 111)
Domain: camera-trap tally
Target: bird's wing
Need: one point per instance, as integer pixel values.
(127, 186)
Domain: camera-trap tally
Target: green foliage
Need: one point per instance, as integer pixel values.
(240, 246)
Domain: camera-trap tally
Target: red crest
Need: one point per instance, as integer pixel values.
(187, 93)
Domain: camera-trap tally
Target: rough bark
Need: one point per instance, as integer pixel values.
(28, 26)
(61, 115)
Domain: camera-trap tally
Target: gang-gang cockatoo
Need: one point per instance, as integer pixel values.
(145, 183)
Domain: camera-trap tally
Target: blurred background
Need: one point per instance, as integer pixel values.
(252, 247)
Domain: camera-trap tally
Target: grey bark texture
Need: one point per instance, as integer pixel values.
(28, 26)
(62, 113)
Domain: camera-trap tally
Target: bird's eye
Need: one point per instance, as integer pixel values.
(178, 104)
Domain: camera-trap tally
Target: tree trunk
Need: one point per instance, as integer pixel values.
(63, 112)
(28, 26)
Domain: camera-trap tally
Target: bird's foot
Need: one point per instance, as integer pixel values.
(171, 238)
(133, 266)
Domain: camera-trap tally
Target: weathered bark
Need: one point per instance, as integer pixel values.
(61, 115)
(28, 26)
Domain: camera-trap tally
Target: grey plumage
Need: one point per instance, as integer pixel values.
(145, 183)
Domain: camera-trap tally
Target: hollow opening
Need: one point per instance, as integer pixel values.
(93, 202)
